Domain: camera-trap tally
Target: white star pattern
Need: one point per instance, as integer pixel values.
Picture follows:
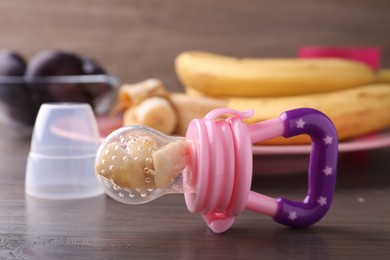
(322, 201)
(300, 123)
(292, 216)
(306, 200)
(328, 171)
(328, 140)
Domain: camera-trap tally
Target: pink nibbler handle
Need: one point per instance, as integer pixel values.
(220, 167)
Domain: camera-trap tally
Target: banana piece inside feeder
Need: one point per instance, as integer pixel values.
(139, 165)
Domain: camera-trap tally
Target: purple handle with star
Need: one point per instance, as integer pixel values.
(322, 167)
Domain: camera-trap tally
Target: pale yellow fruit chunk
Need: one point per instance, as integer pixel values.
(116, 165)
(157, 113)
(141, 149)
(169, 162)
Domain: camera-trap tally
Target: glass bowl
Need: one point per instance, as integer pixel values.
(21, 97)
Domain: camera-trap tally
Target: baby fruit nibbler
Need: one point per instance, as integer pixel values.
(212, 166)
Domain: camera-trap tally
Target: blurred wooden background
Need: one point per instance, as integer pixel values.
(139, 39)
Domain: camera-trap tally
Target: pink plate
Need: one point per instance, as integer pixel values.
(368, 142)
(293, 159)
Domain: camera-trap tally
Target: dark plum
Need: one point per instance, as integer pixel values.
(57, 63)
(11, 63)
(91, 66)
(15, 97)
(54, 63)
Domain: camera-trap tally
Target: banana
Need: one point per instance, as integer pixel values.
(133, 94)
(169, 162)
(124, 172)
(384, 75)
(155, 112)
(217, 75)
(188, 108)
(354, 112)
(139, 166)
(146, 103)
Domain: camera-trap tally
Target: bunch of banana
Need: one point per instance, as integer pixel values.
(355, 97)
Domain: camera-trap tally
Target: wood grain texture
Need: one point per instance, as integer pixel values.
(139, 39)
(357, 226)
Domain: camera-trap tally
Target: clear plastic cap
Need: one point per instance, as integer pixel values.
(63, 148)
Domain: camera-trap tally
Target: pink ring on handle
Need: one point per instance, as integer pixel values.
(216, 168)
(244, 162)
(226, 182)
(199, 165)
(227, 173)
(214, 114)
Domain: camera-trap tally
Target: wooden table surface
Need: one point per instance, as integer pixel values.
(356, 227)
